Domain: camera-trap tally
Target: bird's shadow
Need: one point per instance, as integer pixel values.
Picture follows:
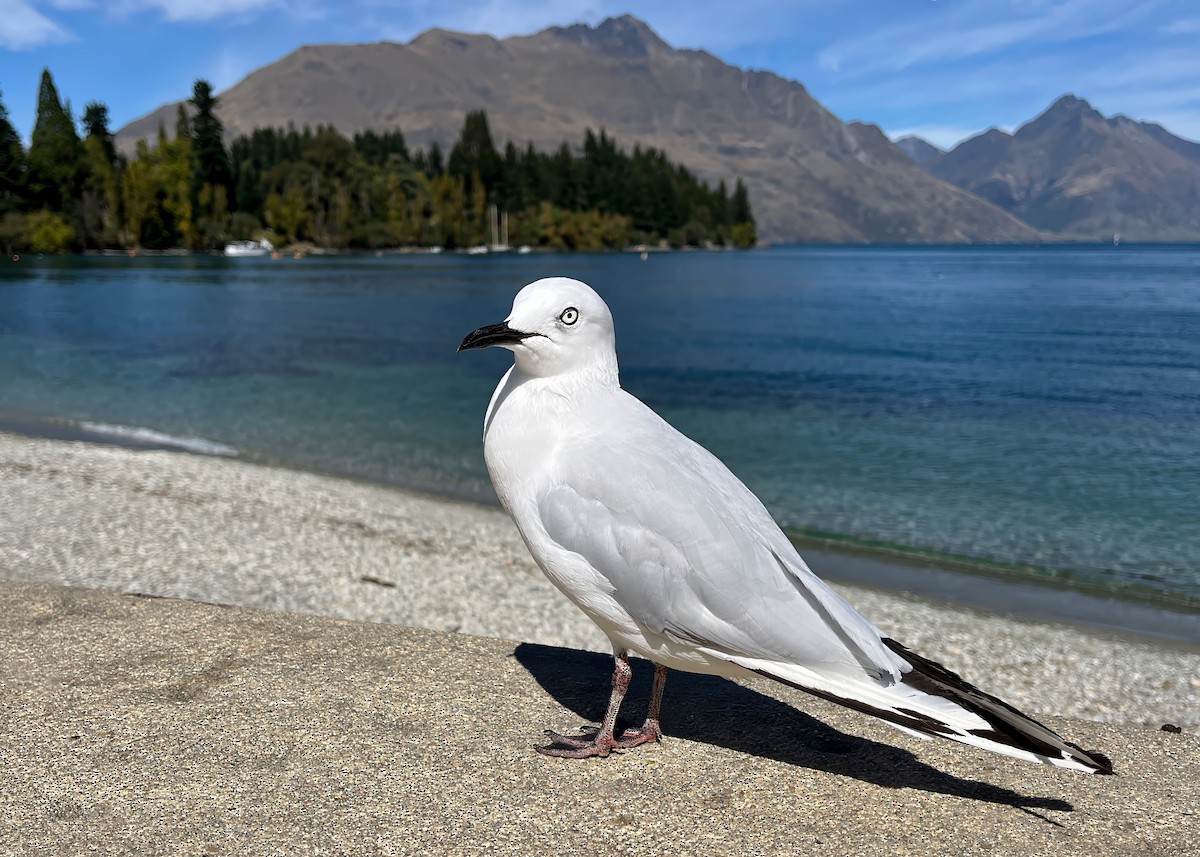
(717, 711)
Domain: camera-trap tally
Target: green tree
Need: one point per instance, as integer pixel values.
(183, 123)
(209, 158)
(12, 165)
(288, 213)
(100, 196)
(378, 148)
(48, 232)
(55, 153)
(156, 187)
(95, 124)
(474, 157)
(137, 193)
(722, 218)
(12, 232)
(407, 204)
(435, 166)
(157, 229)
(174, 174)
(371, 191)
(743, 233)
(446, 215)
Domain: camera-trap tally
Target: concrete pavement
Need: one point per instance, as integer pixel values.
(133, 725)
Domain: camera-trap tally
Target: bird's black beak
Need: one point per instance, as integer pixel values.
(493, 334)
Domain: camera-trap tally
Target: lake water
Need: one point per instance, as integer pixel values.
(1032, 412)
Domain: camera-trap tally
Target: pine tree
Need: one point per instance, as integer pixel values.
(55, 152)
(511, 192)
(720, 208)
(12, 165)
(208, 147)
(183, 123)
(100, 205)
(434, 164)
(567, 180)
(377, 149)
(744, 233)
(95, 124)
(474, 155)
(741, 204)
(369, 191)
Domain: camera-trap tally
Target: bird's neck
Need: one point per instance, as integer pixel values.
(598, 372)
(549, 394)
(593, 367)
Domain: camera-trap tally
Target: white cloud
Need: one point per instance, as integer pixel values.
(1143, 74)
(194, 10)
(975, 28)
(1183, 27)
(22, 27)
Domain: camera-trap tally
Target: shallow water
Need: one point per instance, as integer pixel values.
(1031, 411)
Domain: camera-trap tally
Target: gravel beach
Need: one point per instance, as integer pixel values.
(229, 531)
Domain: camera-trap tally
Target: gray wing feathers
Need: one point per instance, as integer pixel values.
(697, 556)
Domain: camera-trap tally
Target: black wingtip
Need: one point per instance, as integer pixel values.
(1011, 726)
(1104, 764)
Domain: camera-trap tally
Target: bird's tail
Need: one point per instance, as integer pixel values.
(933, 701)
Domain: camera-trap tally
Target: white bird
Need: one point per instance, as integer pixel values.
(677, 561)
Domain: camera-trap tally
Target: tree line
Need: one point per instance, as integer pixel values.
(69, 192)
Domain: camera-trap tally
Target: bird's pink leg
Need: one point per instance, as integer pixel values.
(650, 730)
(601, 742)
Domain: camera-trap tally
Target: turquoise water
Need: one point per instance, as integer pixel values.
(1029, 411)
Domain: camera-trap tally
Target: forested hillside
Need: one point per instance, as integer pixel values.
(315, 185)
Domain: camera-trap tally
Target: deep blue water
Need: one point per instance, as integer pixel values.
(1030, 409)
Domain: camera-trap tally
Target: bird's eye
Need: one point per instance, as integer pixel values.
(569, 316)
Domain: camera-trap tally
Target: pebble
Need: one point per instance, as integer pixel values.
(229, 531)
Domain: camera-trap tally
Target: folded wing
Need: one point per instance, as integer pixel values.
(691, 554)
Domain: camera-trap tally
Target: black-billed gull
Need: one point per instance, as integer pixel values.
(677, 561)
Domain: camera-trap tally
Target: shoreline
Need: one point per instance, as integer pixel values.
(230, 531)
(951, 584)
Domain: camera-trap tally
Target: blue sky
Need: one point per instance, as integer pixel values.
(945, 69)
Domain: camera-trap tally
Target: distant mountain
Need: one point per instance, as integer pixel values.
(1075, 172)
(920, 150)
(811, 176)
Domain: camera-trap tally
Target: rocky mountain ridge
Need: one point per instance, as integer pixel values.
(1074, 172)
(811, 176)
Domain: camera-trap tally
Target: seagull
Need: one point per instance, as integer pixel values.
(677, 561)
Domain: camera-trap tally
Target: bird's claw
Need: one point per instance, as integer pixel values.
(585, 746)
(649, 733)
(594, 742)
(588, 736)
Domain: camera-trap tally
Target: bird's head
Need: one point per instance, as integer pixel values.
(557, 326)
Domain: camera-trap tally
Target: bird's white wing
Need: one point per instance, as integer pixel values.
(692, 554)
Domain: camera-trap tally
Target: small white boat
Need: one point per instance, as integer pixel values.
(249, 248)
(477, 250)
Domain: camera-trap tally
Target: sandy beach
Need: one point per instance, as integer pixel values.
(229, 531)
